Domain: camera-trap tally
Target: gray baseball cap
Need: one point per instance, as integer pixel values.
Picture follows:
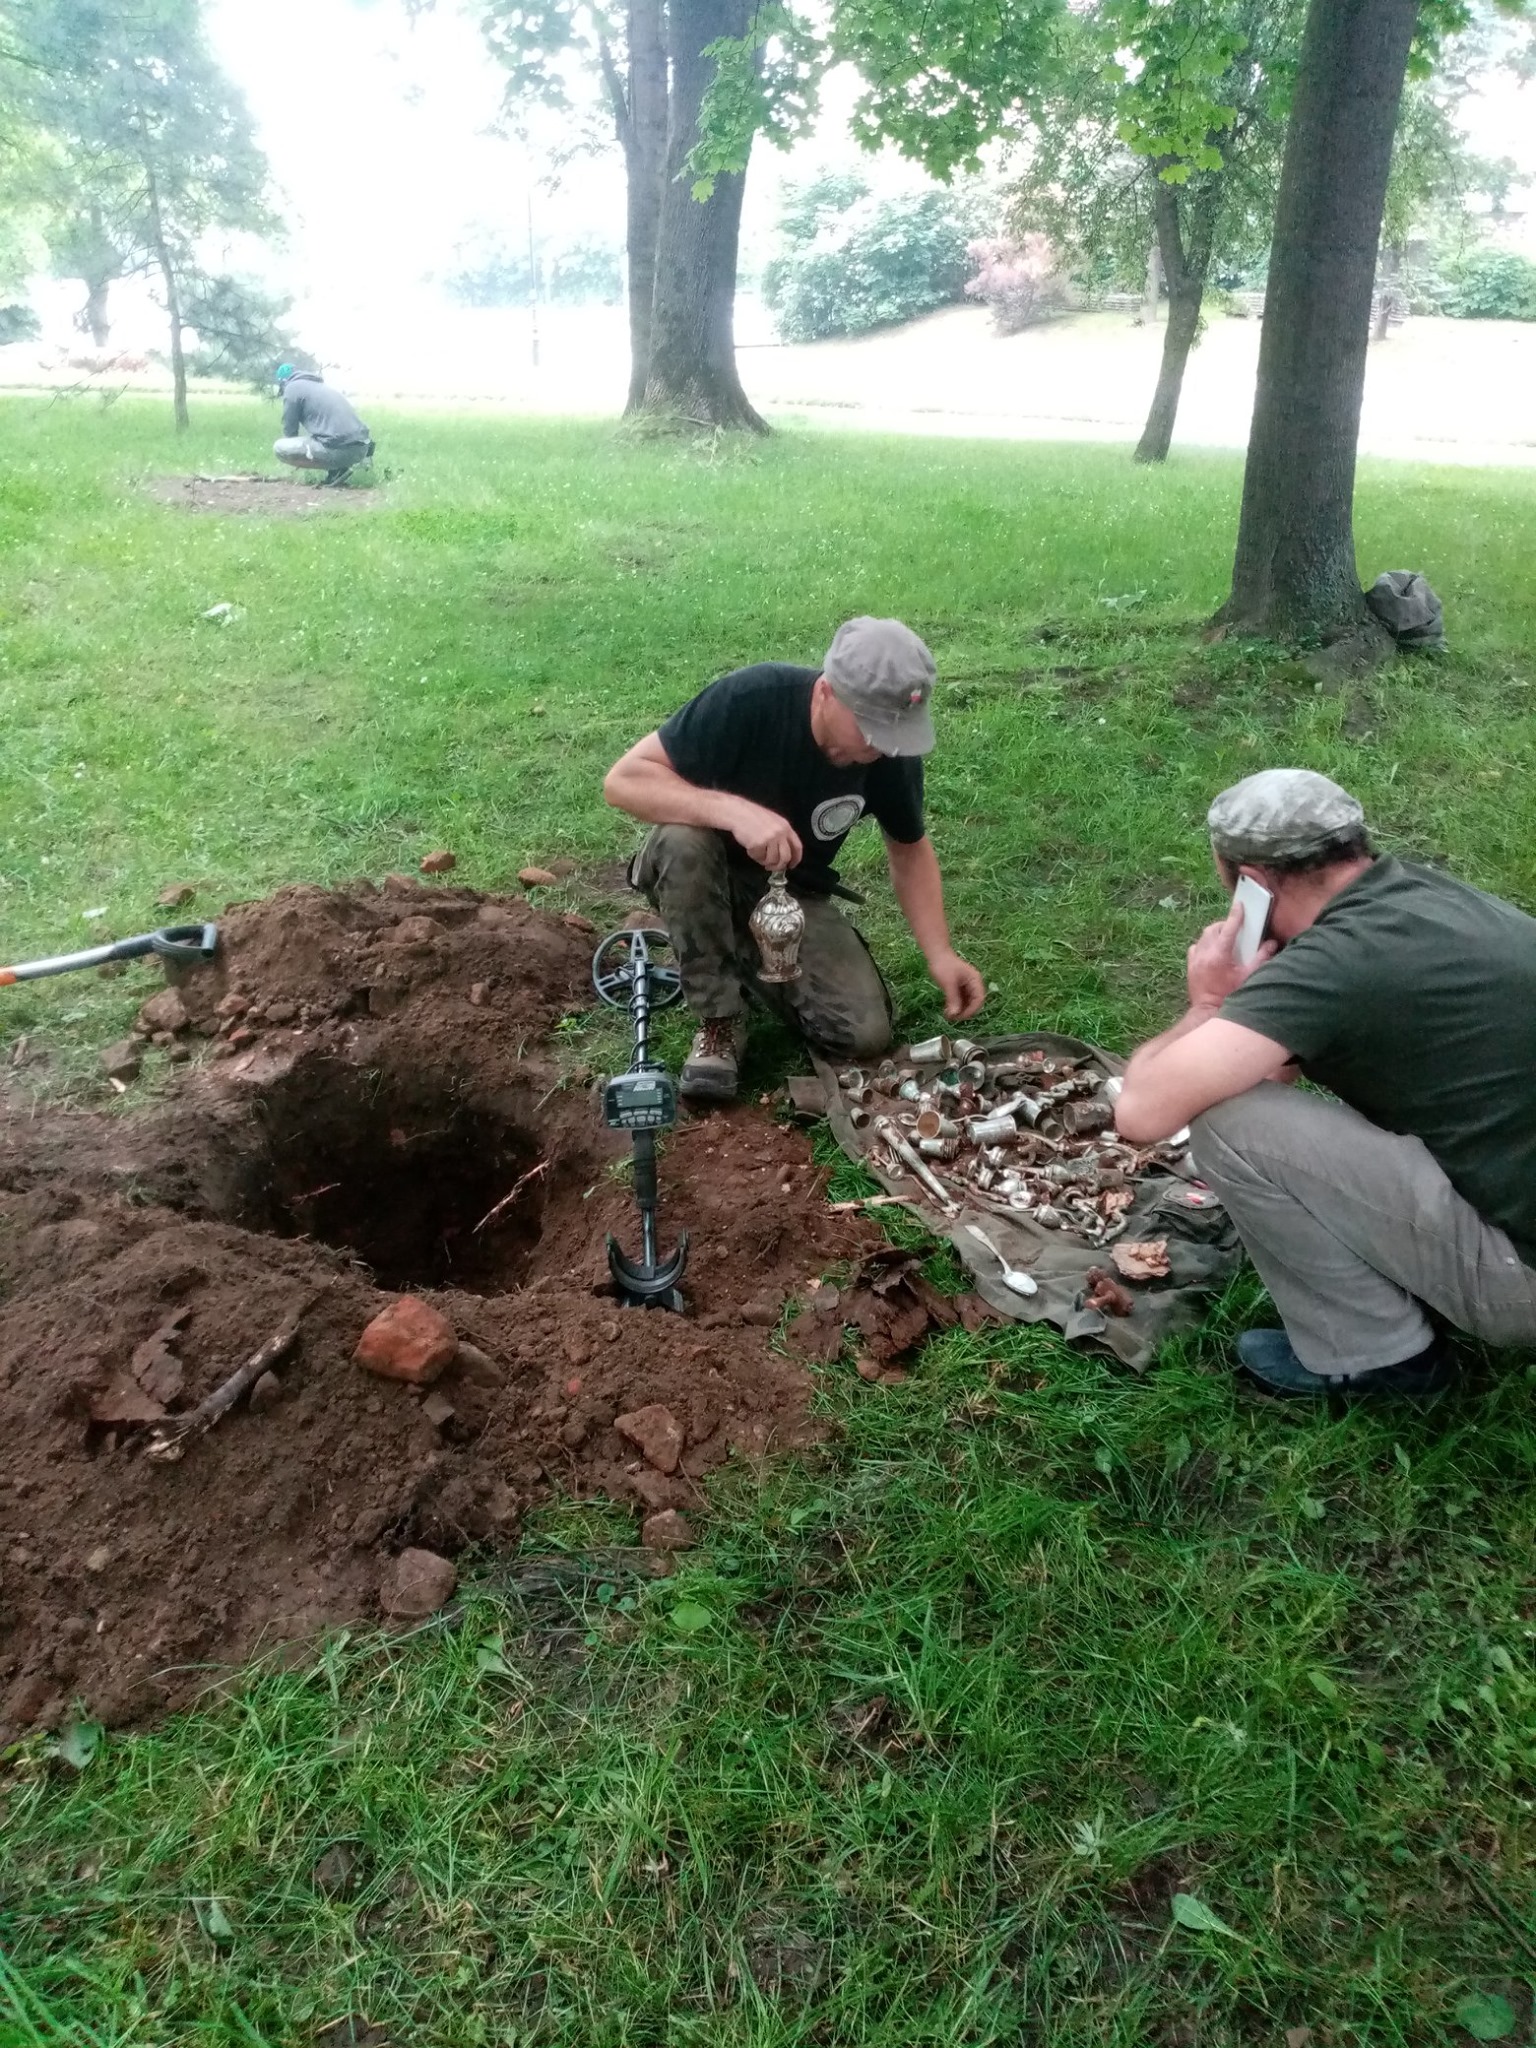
(1281, 814)
(885, 675)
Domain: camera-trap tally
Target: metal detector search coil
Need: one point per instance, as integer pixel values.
(642, 1101)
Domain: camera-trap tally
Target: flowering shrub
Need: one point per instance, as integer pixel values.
(1019, 280)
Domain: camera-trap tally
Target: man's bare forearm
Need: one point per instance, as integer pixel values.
(919, 888)
(1143, 1062)
(658, 795)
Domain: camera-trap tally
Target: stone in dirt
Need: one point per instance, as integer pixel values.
(441, 863)
(164, 1012)
(417, 1584)
(121, 1062)
(438, 1409)
(175, 896)
(536, 878)
(666, 1531)
(575, 922)
(266, 1393)
(409, 1340)
(656, 1434)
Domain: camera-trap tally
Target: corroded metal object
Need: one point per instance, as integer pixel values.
(778, 925)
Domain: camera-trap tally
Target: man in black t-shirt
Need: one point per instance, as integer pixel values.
(1411, 998)
(771, 767)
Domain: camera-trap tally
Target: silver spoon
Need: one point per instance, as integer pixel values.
(1014, 1278)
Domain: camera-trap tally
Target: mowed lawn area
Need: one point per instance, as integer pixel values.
(1045, 1704)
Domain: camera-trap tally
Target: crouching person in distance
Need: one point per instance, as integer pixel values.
(771, 767)
(1409, 1201)
(320, 428)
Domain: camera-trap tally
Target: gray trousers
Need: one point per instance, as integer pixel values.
(1356, 1231)
(299, 451)
(705, 899)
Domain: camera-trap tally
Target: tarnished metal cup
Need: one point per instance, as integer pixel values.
(931, 1123)
(938, 1148)
(992, 1130)
(930, 1052)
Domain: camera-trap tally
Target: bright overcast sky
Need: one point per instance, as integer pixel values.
(377, 130)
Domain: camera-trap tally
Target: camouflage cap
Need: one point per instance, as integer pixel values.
(1281, 814)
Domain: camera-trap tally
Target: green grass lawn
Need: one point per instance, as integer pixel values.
(923, 1744)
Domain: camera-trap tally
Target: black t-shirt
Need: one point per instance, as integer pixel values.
(1413, 998)
(750, 735)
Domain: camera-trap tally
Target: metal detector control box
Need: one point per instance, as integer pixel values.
(644, 1100)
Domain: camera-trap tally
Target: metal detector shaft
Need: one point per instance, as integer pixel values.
(641, 1102)
(186, 943)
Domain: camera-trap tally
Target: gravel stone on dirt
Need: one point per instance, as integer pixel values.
(417, 1583)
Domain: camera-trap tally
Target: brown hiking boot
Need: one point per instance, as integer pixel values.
(710, 1071)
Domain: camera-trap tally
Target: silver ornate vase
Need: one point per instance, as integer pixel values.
(778, 925)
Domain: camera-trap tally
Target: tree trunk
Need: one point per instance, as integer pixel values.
(1185, 263)
(693, 347)
(172, 305)
(1152, 291)
(1294, 573)
(645, 166)
(93, 316)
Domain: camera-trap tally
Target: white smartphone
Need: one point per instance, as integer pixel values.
(1257, 903)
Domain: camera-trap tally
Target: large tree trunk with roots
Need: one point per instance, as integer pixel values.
(640, 117)
(692, 373)
(1294, 574)
(1185, 249)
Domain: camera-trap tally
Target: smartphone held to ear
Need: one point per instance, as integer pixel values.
(1256, 903)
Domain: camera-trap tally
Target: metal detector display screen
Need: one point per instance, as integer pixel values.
(639, 1102)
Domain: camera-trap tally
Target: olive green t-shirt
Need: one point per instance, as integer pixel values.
(1413, 999)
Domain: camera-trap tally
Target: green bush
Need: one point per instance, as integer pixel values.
(18, 323)
(1495, 284)
(854, 262)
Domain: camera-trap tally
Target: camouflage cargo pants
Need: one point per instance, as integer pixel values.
(705, 898)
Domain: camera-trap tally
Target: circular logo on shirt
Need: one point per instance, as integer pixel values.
(839, 814)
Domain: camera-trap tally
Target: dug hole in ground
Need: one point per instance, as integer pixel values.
(369, 1079)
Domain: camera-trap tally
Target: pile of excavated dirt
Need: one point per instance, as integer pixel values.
(362, 1082)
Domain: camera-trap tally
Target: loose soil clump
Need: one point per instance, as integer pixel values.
(365, 1080)
(278, 497)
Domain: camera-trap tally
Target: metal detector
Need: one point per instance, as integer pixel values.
(642, 1102)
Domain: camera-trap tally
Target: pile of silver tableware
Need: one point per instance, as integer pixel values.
(1028, 1134)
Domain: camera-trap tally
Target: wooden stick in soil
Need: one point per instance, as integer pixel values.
(868, 1202)
(511, 1196)
(169, 1438)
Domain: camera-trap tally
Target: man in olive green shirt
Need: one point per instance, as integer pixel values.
(1412, 998)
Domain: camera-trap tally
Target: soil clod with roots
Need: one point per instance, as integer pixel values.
(356, 1127)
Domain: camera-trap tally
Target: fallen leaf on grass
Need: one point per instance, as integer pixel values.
(213, 1920)
(78, 1745)
(1147, 1260)
(688, 1617)
(1485, 2015)
(1193, 1913)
